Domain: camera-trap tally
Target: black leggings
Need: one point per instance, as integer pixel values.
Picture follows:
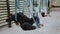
(27, 26)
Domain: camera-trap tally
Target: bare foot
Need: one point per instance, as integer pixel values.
(41, 25)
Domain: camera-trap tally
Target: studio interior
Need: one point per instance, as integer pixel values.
(29, 16)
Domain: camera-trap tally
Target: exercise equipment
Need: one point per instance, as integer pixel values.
(16, 7)
(35, 14)
(27, 3)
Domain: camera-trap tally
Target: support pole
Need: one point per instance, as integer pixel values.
(8, 10)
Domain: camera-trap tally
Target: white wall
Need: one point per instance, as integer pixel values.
(56, 2)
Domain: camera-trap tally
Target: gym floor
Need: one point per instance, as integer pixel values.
(51, 26)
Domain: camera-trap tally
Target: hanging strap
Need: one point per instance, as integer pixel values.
(46, 2)
(36, 22)
(16, 7)
(40, 5)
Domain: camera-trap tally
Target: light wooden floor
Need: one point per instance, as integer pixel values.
(51, 26)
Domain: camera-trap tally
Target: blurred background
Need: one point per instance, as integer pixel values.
(51, 22)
